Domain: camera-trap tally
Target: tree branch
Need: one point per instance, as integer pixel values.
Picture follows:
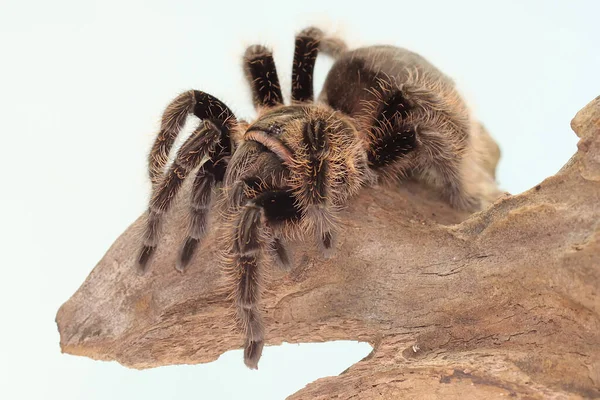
(504, 303)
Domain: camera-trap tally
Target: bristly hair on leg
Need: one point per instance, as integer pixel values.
(312, 166)
(305, 56)
(249, 243)
(261, 74)
(249, 232)
(219, 125)
(199, 145)
(308, 44)
(390, 136)
(203, 106)
(199, 207)
(210, 174)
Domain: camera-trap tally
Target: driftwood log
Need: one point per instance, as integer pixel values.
(504, 303)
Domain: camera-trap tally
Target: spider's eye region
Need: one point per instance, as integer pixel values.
(275, 130)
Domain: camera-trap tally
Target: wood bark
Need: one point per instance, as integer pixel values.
(504, 302)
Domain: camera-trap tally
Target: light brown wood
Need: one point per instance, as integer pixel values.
(504, 303)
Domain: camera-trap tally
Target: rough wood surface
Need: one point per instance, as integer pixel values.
(505, 303)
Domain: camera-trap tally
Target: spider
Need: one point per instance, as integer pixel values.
(384, 113)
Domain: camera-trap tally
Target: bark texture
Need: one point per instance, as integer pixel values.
(504, 303)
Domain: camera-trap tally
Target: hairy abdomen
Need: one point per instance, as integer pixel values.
(355, 73)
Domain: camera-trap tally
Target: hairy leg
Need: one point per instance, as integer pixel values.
(305, 54)
(251, 189)
(199, 145)
(313, 184)
(442, 168)
(208, 176)
(260, 71)
(252, 242)
(390, 139)
(202, 105)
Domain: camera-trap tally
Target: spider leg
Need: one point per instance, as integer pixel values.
(443, 169)
(305, 54)
(313, 184)
(261, 73)
(281, 253)
(199, 145)
(253, 240)
(390, 138)
(252, 188)
(208, 176)
(308, 43)
(393, 137)
(455, 191)
(202, 105)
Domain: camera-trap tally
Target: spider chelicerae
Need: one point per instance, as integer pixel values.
(384, 113)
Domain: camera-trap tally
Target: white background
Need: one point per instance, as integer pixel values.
(82, 88)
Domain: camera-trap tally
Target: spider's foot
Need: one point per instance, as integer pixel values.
(186, 253)
(282, 255)
(142, 261)
(257, 52)
(252, 352)
(312, 32)
(327, 245)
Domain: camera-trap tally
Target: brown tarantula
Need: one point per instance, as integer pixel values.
(384, 112)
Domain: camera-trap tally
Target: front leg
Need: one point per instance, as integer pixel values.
(253, 189)
(261, 73)
(252, 241)
(313, 184)
(199, 145)
(209, 175)
(305, 56)
(200, 104)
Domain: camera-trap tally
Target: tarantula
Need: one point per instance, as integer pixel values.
(384, 112)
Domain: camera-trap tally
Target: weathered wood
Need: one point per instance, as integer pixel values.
(504, 303)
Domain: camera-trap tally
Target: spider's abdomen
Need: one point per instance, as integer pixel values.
(352, 79)
(412, 120)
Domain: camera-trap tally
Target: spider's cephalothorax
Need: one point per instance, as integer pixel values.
(384, 111)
